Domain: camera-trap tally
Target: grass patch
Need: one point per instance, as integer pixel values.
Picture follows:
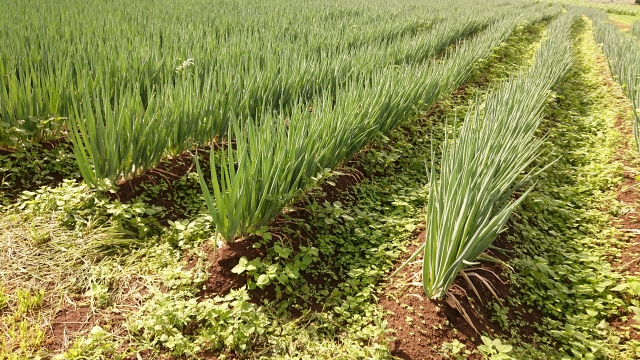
(624, 21)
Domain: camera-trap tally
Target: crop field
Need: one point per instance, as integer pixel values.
(288, 179)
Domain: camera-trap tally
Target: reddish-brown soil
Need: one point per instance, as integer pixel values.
(338, 188)
(628, 195)
(67, 325)
(626, 325)
(221, 261)
(629, 223)
(74, 321)
(421, 325)
(621, 25)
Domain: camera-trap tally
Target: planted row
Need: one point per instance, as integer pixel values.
(623, 53)
(140, 81)
(621, 9)
(471, 194)
(254, 80)
(276, 158)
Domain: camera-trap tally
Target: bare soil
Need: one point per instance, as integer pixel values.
(422, 325)
(67, 325)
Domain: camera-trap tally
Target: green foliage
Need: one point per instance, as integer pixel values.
(470, 199)
(349, 246)
(276, 158)
(495, 349)
(623, 53)
(98, 345)
(562, 237)
(360, 238)
(354, 242)
(453, 350)
(77, 207)
(28, 301)
(175, 75)
(284, 271)
(635, 29)
(22, 338)
(34, 166)
(612, 8)
(3, 297)
(230, 322)
(99, 295)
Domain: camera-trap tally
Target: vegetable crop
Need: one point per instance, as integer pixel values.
(471, 195)
(623, 53)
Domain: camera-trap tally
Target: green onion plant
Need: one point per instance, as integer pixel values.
(292, 150)
(471, 194)
(623, 53)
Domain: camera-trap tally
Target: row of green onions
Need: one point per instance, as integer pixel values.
(471, 193)
(623, 53)
(276, 158)
(608, 7)
(145, 80)
(285, 88)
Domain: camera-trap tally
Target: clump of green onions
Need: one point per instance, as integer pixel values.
(471, 195)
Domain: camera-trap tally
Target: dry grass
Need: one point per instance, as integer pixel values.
(59, 264)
